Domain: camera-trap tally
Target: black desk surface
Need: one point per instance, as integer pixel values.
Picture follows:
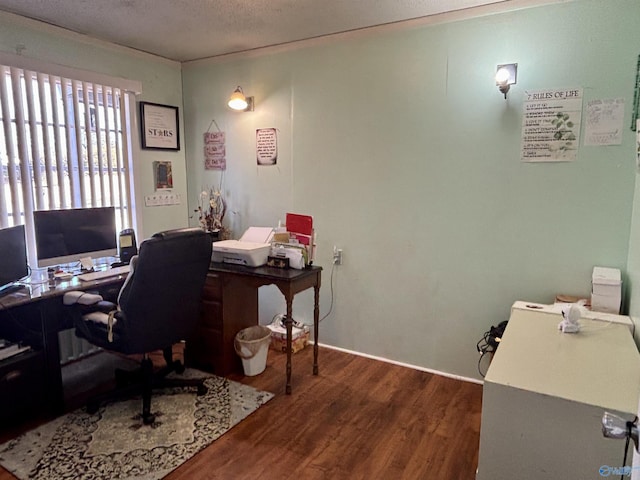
(264, 271)
(36, 291)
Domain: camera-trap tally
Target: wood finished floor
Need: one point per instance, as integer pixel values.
(358, 419)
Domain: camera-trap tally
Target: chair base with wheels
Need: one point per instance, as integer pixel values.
(143, 380)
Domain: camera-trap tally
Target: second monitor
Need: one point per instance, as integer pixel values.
(65, 236)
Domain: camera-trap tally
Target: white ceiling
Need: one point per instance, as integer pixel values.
(185, 30)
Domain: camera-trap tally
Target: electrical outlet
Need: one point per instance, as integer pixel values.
(337, 255)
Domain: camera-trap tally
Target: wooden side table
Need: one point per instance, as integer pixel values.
(230, 303)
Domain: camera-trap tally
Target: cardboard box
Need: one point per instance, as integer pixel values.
(279, 344)
(299, 338)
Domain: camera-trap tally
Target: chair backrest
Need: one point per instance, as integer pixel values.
(161, 299)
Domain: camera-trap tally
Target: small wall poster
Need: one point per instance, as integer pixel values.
(604, 122)
(551, 125)
(164, 175)
(215, 151)
(266, 146)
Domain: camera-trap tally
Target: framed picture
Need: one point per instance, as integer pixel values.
(163, 175)
(159, 126)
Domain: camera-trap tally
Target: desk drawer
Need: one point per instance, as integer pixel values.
(22, 384)
(212, 287)
(211, 315)
(204, 350)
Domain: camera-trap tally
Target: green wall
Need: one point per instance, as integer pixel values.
(401, 147)
(161, 83)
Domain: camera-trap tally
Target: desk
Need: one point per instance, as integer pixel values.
(35, 315)
(545, 393)
(230, 303)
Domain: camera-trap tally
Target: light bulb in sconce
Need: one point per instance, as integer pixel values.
(238, 101)
(506, 76)
(502, 76)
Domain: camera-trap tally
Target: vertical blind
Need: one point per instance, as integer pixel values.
(63, 144)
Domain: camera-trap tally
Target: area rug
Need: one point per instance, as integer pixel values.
(114, 444)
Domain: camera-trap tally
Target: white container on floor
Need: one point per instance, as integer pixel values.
(256, 364)
(252, 346)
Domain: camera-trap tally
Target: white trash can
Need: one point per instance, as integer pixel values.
(252, 346)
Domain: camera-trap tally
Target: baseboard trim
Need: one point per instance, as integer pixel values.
(402, 364)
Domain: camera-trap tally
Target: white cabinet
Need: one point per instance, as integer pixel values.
(545, 393)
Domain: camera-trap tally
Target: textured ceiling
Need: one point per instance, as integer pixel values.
(185, 30)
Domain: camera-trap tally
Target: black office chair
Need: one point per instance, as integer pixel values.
(158, 306)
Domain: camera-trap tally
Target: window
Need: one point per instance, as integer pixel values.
(64, 143)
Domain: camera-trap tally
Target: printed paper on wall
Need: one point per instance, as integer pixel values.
(267, 146)
(551, 125)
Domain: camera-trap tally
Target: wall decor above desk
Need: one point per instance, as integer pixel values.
(159, 127)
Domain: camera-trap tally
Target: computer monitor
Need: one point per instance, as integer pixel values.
(13, 260)
(65, 236)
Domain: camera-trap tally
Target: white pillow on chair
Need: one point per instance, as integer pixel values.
(83, 298)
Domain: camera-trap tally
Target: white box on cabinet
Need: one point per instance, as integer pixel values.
(606, 290)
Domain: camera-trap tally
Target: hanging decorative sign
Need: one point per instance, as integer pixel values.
(551, 125)
(215, 151)
(266, 146)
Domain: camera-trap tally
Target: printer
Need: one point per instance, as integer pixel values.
(251, 250)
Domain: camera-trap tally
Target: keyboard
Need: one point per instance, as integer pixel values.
(99, 275)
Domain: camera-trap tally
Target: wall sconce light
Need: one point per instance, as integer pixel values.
(237, 101)
(506, 76)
